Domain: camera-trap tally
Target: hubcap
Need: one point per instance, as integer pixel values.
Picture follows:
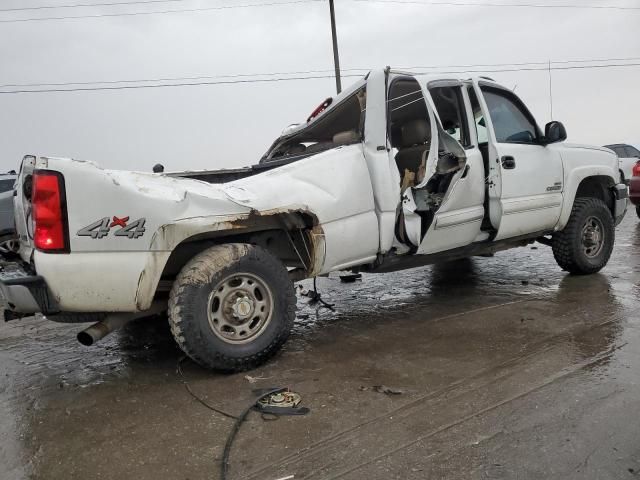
(240, 308)
(592, 237)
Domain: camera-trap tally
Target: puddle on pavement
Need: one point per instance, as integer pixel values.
(46, 376)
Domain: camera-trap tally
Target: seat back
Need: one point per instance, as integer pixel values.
(415, 141)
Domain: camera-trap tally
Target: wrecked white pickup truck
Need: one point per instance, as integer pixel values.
(396, 172)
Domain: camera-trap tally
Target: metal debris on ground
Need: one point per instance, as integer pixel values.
(382, 389)
(261, 395)
(281, 399)
(251, 379)
(283, 402)
(350, 278)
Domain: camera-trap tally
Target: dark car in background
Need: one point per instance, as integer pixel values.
(634, 187)
(7, 228)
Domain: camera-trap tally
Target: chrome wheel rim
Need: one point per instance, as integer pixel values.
(240, 308)
(593, 237)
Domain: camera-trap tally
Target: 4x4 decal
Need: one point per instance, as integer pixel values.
(102, 227)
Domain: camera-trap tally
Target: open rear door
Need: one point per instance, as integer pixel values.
(442, 187)
(458, 219)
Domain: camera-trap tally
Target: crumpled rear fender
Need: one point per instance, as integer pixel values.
(170, 237)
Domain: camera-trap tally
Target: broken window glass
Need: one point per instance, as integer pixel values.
(341, 124)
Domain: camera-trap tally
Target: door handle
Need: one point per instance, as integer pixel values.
(508, 162)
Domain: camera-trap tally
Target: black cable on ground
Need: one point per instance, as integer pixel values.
(316, 297)
(224, 468)
(236, 427)
(186, 385)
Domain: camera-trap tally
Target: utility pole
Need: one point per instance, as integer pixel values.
(336, 60)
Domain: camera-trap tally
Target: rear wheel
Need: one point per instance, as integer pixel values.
(232, 307)
(638, 211)
(585, 244)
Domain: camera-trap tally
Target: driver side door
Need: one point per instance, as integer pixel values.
(526, 185)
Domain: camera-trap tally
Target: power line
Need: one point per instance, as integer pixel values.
(308, 72)
(175, 79)
(290, 2)
(494, 4)
(314, 77)
(131, 87)
(415, 2)
(533, 69)
(553, 62)
(158, 12)
(77, 5)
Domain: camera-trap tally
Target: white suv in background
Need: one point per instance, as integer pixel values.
(627, 157)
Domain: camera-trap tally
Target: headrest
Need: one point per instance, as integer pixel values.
(416, 132)
(344, 138)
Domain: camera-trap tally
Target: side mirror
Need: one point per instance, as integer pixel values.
(554, 132)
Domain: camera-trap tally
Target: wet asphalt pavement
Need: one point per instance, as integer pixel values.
(508, 369)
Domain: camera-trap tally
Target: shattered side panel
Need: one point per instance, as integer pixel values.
(335, 186)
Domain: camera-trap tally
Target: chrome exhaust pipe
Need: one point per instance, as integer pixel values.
(99, 330)
(113, 322)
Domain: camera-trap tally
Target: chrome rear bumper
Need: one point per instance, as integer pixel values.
(23, 292)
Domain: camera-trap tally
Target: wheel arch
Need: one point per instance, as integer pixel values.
(293, 236)
(587, 183)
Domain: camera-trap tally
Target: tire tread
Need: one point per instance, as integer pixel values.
(563, 245)
(202, 268)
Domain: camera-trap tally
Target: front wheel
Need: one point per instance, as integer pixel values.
(638, 211)
(232, 307)
(585, 244)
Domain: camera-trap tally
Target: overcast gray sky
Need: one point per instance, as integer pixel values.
(231, 125)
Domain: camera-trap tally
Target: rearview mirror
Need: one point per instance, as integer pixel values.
(554, 132)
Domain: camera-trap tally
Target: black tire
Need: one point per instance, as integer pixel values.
(194, 313)
(638, 211)
(571, 244)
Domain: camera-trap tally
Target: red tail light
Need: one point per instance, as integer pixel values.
(636, 170)
(49, 212)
